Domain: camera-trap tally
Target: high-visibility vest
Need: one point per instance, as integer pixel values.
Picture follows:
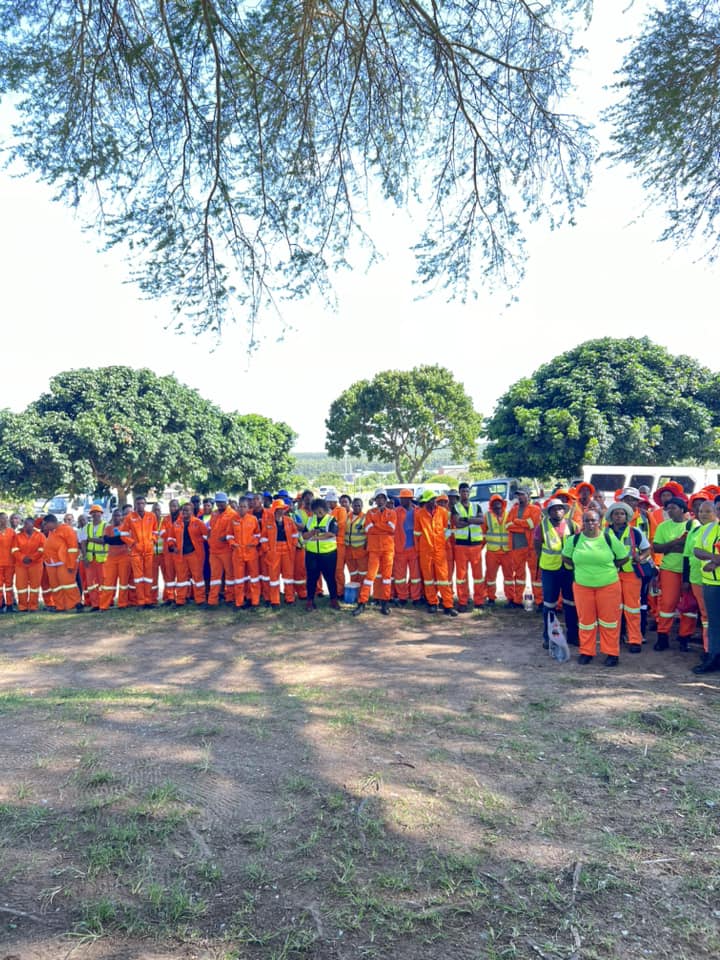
(355, 535)
(709, 536)
(301, 519)
(497, 535)
(159, 541)
(95, 552)
(320, 546)
(627, 538)
(552, 544)
(472, 534)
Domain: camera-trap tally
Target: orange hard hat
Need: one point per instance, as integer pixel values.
(405, 493)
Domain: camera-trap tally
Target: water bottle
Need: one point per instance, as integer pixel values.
(528, 602)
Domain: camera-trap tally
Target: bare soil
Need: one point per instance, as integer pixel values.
(201, 784)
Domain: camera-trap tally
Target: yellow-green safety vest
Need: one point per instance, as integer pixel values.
(94, 552)
(472, 534)
(709, 536)
(355, 535)
(552, 544)
(320, 546)
(496, 536)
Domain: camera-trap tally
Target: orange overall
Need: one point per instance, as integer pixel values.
(380, 526)
(28, 574)
(430, 529)
(7, 566)
(61, 560)
(521, 527)
(406, 566)
(356, 554)
(245, 559)
(279, 555)
(140, 534)
(189, 554)
(220, 533)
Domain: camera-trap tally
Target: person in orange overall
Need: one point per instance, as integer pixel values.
(186, 543)
(245, 556)
(430, 526)
(219, 538)
(95, 553)
(278, 543)
(167, 560)
(356, 554)
(340, 515)
(469, 543)
(523, 518)
(380, 526)
(406, 566)
(117, 567)
(61, 559)
(139, 531)
(27, 552)
(620, 516)
(446, 501)
(669, 541)
(157, 551)
(497, 552)
(7, 567)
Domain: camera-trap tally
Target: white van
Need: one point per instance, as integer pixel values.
(607, 479)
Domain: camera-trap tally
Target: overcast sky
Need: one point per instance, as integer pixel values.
(66, 305)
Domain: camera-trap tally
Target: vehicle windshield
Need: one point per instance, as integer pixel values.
(57, 505)
(483, 491)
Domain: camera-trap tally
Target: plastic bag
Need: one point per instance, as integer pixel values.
(558, 649)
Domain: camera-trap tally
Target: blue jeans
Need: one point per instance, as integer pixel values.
(554, 583)
(711, 595)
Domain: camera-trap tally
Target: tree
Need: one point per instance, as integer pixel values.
(667, 124)
(230, 148)
(606, 401)
(115, 427)
(401, 416)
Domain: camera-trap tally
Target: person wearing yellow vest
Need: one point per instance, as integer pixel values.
(557, 579)
(96, 553)
(301, 515)
(523, 517)
(669, 542)
(320, 539)
(692, 565)
(497, 552)
(469, 543)
(707, 549)
(619, 517)
(356, 552)
(340, 515)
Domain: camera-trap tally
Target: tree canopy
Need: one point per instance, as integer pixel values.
(401, 416)
(607, 401)
(667, 123)
(230, 148)
(116, 427)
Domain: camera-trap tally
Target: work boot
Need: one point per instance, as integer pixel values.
(489, 602)
(334, 605)
(462, 608)
(634, 648)
(661, 643)
(360, 608)
(310, 605)
(611, 660)
(10, 608)
(683, 644)
(708, 664)
(585, 658)
(385, 608)
(433, 608)
(450, 612)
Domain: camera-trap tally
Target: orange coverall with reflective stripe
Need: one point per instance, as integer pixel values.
(380, 526)
(430, 538)
(28, 575)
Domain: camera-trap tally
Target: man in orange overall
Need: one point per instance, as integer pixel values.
(96, 552)
(7, 567)
(523, 518)
(139, 531)
(301, 515)
(406, 566)
(356, 555)
(117, 566)
(430, 525)
(167, 560)
(186, 543)
(278, 543)
(27, 552)
(340, 515)
(497, 552)
(61, 559)
(469, 543)
(245, 556)
(380, 526)
(220, 535)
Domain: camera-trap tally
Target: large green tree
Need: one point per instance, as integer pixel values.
(116, 427)
(230, 148)
(667, 120)
(401, 416)
(607, 401)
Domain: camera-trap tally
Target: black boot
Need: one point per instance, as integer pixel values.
(662, 642)
(360, 608)
(708, 664)
(385, 608)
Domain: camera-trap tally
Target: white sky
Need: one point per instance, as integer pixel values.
(66, 305)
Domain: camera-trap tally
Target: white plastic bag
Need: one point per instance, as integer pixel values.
(558, 649)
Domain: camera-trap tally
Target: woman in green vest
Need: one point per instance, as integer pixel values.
(320, 538)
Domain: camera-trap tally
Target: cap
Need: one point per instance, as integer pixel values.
(621, 505)
(427, 495)
(221, 497)
(630, 492)
(95, 508)
(453, 493)
(554, 502)
(405, 493)
(381, 492)
(278, 505)
(331, 495)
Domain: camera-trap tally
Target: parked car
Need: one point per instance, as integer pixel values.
(607, 478)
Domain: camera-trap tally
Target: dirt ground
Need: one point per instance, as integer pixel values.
(208, 784)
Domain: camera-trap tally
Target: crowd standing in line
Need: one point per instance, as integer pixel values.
(611, 569)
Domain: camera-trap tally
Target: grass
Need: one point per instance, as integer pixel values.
(417, 816)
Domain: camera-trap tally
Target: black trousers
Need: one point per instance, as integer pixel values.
(317, 565)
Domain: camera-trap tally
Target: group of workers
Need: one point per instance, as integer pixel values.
(610, 568)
